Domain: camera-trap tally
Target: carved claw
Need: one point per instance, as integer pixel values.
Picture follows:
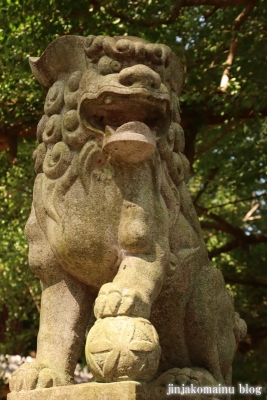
(113, 300)
(34, 375)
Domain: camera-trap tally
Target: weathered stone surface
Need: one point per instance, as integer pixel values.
(131, 143)
(123, 345)
(98, 391)
(113, 229)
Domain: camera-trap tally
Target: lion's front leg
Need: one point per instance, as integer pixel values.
(133, 290)
(65, 311)
(66, 306)
(123, 344)
(145, 247)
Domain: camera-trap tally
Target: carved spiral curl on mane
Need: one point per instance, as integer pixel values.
(122, 48)
(57, 160)
(55, 98)
(52, 132)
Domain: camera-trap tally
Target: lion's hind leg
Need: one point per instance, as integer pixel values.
(210, 324)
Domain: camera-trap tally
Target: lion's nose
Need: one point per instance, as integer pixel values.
(140, 75)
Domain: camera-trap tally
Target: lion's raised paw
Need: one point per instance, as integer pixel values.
(113, 300)
(34, 375)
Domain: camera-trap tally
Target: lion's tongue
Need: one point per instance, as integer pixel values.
(133, 127)
(132, 142)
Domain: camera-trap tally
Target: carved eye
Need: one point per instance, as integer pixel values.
(115, 66)
(107, 66)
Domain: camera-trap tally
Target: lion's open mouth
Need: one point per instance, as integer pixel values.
(116, 108)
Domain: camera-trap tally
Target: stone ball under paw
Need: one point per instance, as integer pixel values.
(123, 348)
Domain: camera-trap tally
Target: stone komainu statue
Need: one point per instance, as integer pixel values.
(113, 229)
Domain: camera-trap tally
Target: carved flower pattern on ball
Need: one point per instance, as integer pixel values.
(123, 348)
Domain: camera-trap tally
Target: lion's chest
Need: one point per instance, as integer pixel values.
(113, 213)
(86, 238)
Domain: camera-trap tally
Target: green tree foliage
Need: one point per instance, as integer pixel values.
(222, 44)
(19, 293)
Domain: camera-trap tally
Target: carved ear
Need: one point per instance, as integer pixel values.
(62, 57)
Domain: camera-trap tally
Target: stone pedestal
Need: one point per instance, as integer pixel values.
(102, 391)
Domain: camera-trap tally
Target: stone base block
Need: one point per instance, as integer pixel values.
(102, 391)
